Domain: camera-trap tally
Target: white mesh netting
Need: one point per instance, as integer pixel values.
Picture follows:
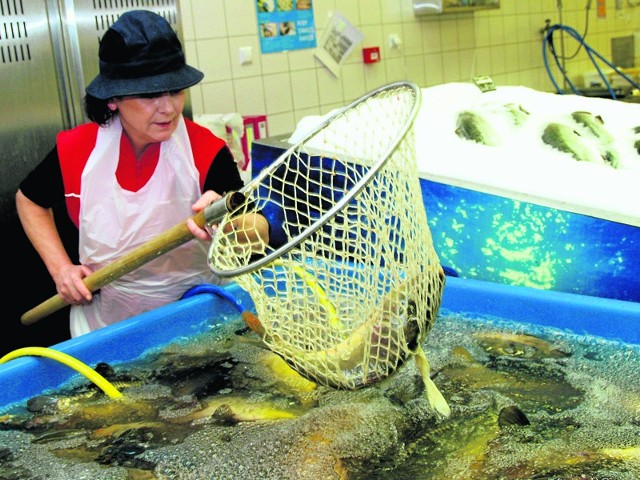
(350, 283)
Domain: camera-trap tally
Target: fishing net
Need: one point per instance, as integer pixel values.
(350, 283)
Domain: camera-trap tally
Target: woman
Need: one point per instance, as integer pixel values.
(136, 170)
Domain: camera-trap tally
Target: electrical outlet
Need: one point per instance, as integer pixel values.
(394, 41)
(245, 55)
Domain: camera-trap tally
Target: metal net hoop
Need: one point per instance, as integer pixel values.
(350, 280)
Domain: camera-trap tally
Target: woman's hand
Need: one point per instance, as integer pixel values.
(70, 284)
(249, 229)
(40, 227)
(204, 201)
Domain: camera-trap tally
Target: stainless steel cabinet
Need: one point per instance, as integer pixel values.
(48, 52)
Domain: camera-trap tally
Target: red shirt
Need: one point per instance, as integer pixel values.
(75, 147)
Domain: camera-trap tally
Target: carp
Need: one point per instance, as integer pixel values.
(381, 339)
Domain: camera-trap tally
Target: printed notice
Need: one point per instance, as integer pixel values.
(338, 41)
(285, 25)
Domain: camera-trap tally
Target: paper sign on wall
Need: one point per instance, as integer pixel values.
(338, 41)
(285, 25)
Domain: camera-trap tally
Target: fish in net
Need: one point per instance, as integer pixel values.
(349, 284)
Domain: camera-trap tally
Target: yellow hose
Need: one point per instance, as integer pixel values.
(69, 361)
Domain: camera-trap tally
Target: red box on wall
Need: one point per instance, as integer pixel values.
(371, 54)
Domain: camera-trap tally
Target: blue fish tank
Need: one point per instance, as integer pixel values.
(498, 239)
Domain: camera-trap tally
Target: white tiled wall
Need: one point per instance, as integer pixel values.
(504, 43)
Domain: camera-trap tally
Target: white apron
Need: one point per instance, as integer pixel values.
(114, 221)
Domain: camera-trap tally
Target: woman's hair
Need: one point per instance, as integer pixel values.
(98, 110)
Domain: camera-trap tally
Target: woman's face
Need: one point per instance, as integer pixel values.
(148, 119)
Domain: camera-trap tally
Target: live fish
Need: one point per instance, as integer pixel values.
(348, 354)
(375, 338)
(228, 409)
(463, 444)
(498, 343)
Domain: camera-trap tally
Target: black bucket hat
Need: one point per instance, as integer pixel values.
(141, 54)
